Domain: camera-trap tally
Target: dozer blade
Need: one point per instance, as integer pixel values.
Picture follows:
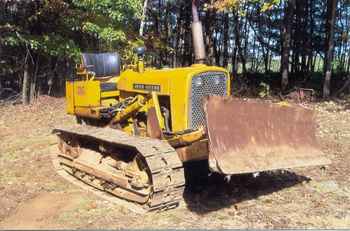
(247, 136)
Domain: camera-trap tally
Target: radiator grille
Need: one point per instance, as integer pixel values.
(204, 84)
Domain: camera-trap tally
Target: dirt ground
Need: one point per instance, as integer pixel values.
(32, 195)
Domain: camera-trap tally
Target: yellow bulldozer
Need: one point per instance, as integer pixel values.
(137, 126)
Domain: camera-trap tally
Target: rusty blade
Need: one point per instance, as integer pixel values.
(252, 135)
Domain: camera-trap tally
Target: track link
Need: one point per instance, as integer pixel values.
(164, 167)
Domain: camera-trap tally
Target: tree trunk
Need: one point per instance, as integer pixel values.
(234, 62)
(32, 93)
(238, 43)
(246, 38)
(159, 31)
(226, 40)
(34, 81)
(254, 62)
(331, 11)
(309, 39)
(266, 61)
(286, 35)
(143, 19)
(26, 84)
(209, 30)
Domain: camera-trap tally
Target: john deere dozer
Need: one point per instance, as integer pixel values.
(136, 127)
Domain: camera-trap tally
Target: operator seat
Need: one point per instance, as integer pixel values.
(102, 64)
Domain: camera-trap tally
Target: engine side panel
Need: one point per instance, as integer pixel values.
(175, 83)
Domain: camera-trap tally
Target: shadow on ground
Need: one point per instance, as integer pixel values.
(207, 194)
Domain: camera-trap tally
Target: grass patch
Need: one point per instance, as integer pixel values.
(7, 176)
(85, 209)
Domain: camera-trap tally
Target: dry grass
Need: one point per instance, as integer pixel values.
(302, 198)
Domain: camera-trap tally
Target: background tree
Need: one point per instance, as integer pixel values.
(279, 43)
(41, 39)
(286, 36)
(331, 10)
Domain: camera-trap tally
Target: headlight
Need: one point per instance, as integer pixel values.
(198, 82)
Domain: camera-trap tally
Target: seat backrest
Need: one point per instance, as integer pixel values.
(102, 64)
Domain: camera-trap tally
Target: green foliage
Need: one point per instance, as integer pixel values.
(51, 34)
(128, 54)
(52, 45)
(235, 4)
(107, 35)
(108, 21)
(269, 5)
(117, 12)
(62, 28)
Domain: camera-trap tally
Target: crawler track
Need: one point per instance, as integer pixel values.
(83, 150)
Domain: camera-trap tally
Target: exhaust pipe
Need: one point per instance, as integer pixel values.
(197, 35)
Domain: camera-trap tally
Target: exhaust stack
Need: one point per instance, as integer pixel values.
(197, 35)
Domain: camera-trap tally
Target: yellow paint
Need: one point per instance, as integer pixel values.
(86, 93)
(283, 104)
(69, 97)
(157, 107)
(110, 94)
(88, 112)
(187, 138)
(107, 102)
(175, 83)
(140, 66)
(138, 102)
